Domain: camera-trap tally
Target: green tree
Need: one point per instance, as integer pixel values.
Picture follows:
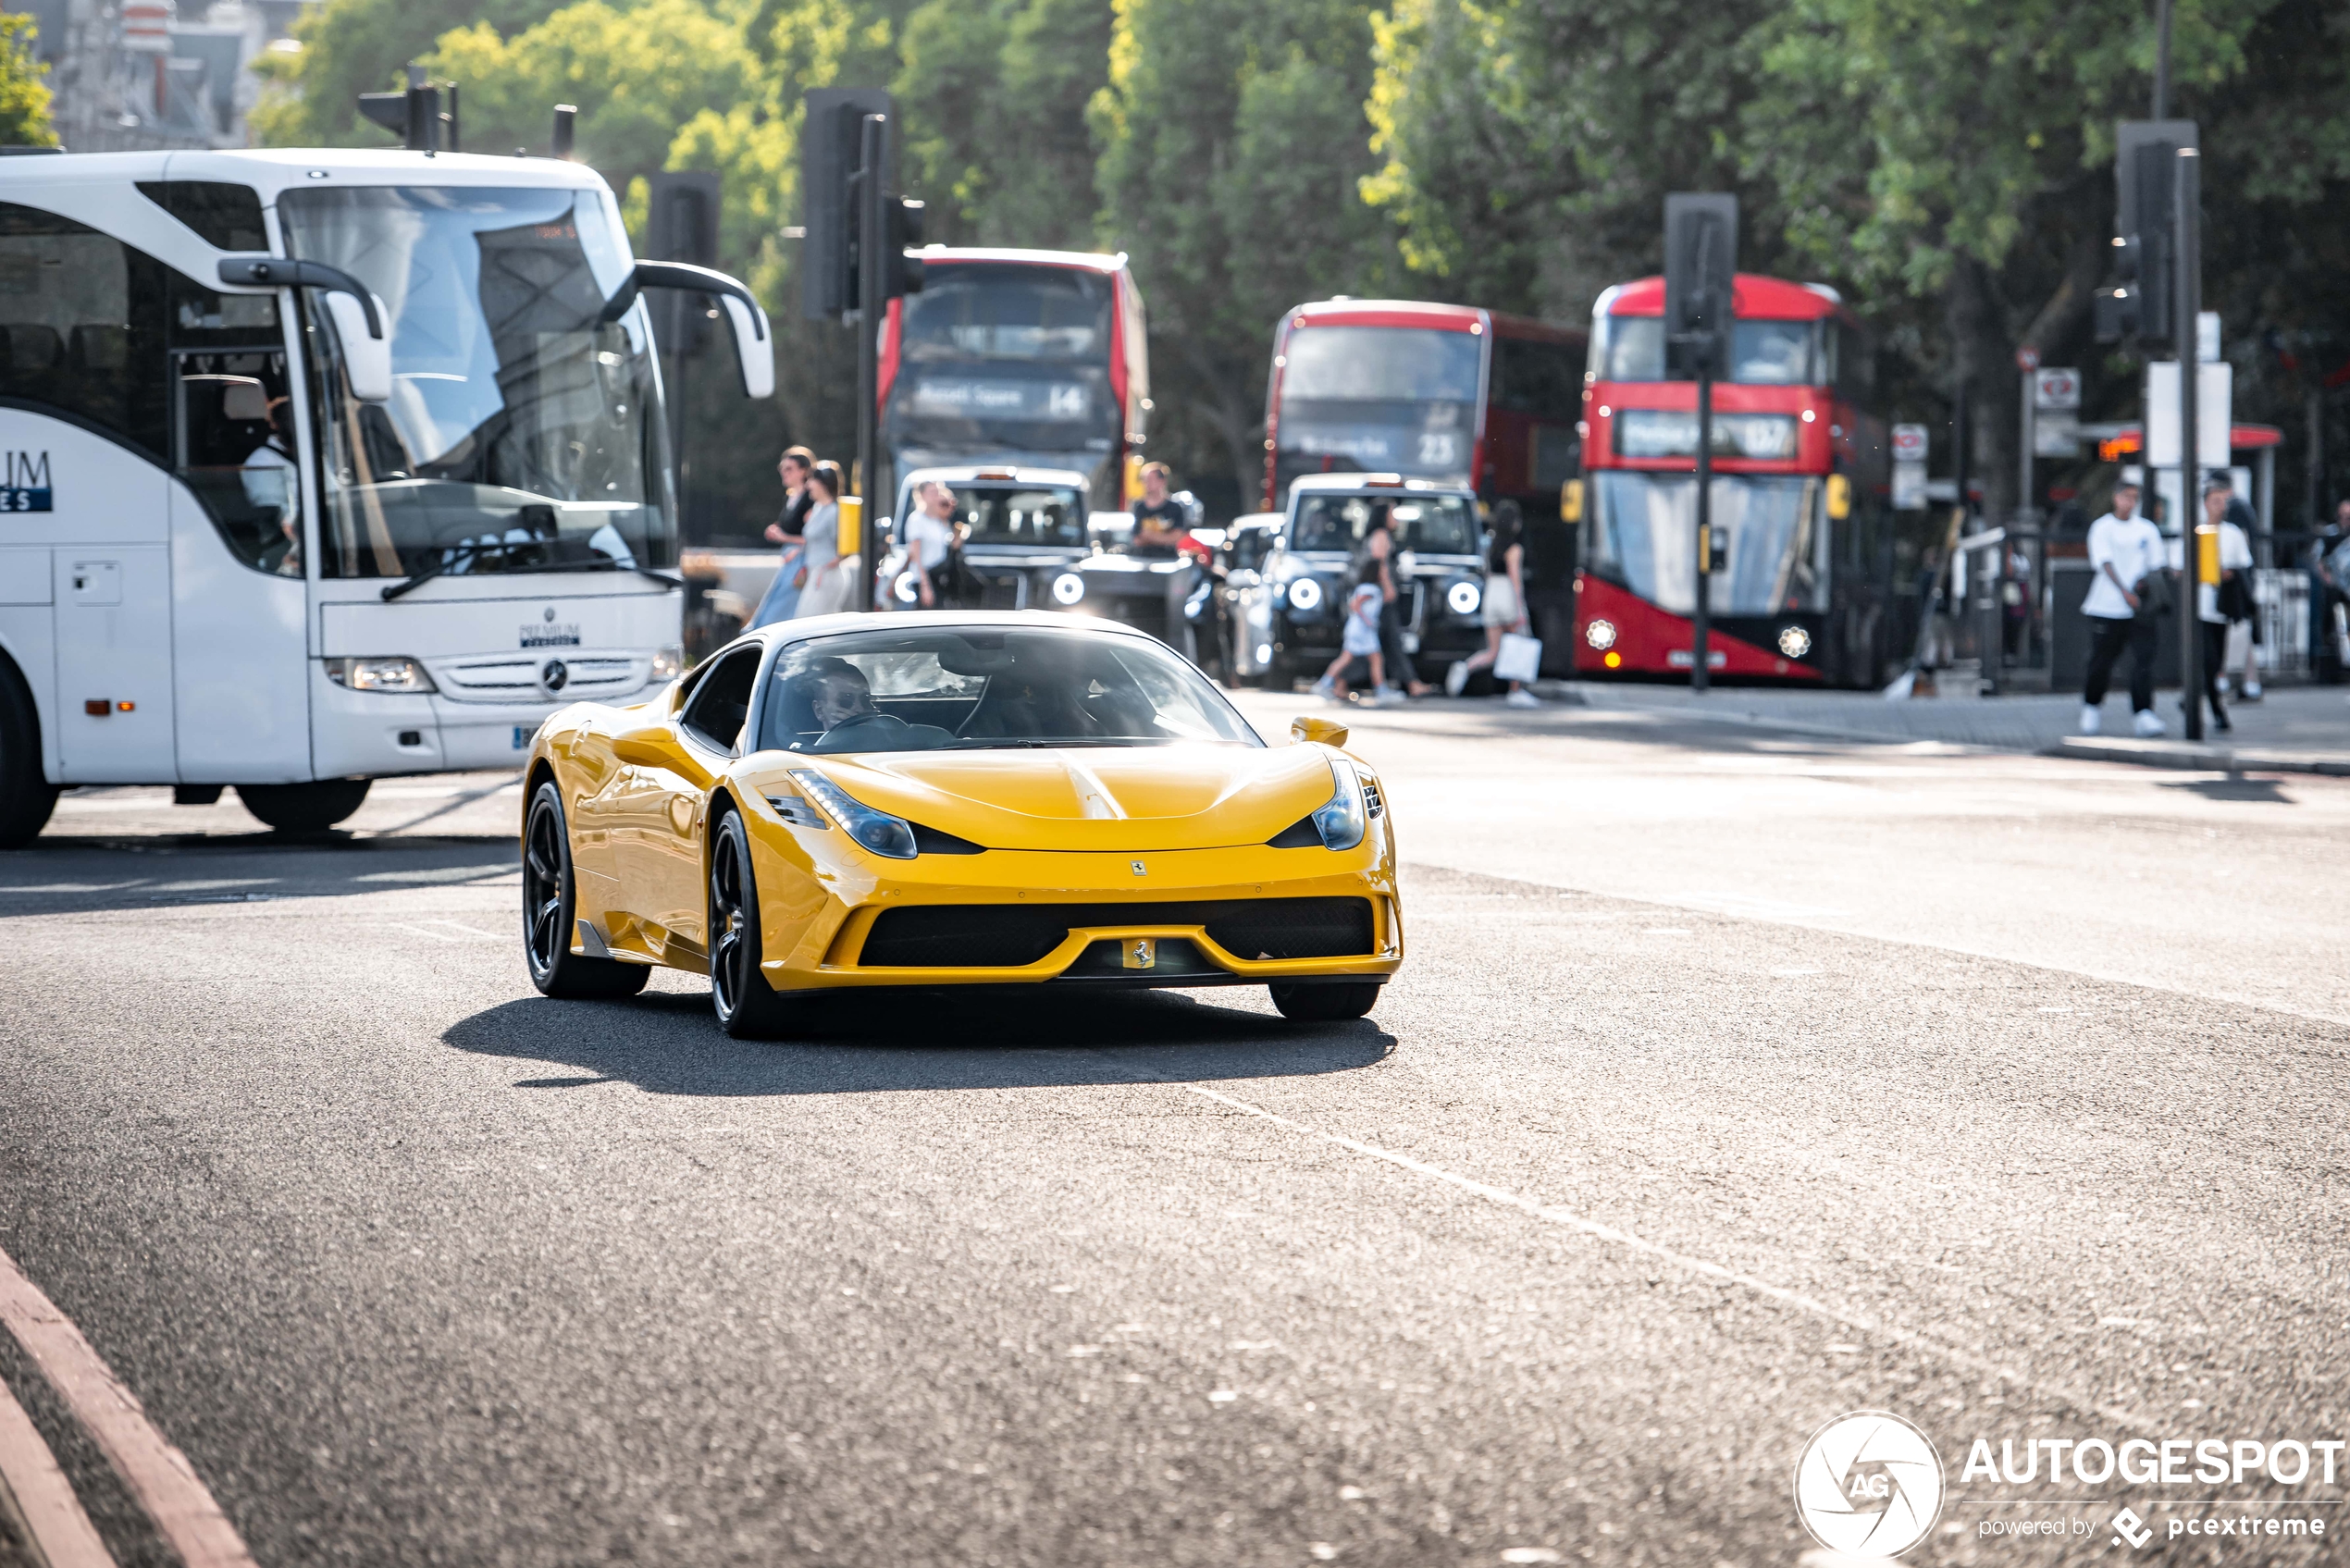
(1234, 144)
(347, 47)
(24, 95)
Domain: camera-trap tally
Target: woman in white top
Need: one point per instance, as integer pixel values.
(1504, 609)
(830, 580)
(2235, 555)
(930, 537)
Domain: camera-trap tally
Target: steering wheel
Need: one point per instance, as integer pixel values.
(864, 729)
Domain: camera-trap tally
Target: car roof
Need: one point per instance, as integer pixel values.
(995, 473)
(1367, 484)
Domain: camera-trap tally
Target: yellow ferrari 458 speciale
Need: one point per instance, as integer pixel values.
(952, 799)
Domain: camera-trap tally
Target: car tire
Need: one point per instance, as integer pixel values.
(26, 794)
(1325, 1001)
(550, 908)
(304, 808)
(748, 1008)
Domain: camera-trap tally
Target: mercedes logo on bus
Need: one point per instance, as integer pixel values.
(555, 675)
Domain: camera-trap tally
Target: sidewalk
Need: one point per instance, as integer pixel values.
(2297, 729)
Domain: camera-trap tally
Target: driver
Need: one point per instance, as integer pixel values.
(839, 692)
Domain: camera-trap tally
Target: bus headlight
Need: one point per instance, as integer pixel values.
(1068, 588)
(380, 674)
(1304, 596)
(1599, 634)
(1794, 641)
(667, 660)
(1463, 597)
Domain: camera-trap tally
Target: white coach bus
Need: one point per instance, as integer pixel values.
(317, 467)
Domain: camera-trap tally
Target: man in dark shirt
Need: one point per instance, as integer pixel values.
(1161, 520)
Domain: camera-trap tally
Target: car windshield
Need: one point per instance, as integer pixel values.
(524, 429)
(1041, 517)
(1643, 535)
(1431, 524)
(975, 688)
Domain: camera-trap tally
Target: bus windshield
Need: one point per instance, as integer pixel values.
(1763, 353)
(1400, 400)
(1430, 525)
(998, 357)
(525, 431)
(1643, 534)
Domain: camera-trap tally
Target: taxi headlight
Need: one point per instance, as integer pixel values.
(877, 831)
(1068, 588)
(1304, 596)
(1794, 641)
(1463, 596)
(1599, 634)
(380, 674)
(667, 660)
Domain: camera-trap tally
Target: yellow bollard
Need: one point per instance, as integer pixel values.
(852, 534)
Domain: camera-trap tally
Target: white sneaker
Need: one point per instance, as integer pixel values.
(1456, 678)
(2091, 720)
(1387, 696)
(1521, 698)
(2148, 724)
(2251, 691)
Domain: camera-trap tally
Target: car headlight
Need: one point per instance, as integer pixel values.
(1068, 588)
(1341, 821)
(907, 587)
(1463, 596)
(1599, 634)
(1304, 595)
(1794, 641)
(380, 674)
(877, 831)
(667, 660)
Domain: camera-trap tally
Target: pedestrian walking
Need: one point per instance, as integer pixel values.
(2211, 620)
(1504, 611)
(828, 586)
(2124, 597)
(1160, 521)
(782, 596)
(2240, 604)
(1358, 638)
(930, 541)
(1374, 563)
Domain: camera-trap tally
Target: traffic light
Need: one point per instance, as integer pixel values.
(830, 149)
(681, 224)
(903, 217)
(415, 115)
(1701, 280)
(2143, 302)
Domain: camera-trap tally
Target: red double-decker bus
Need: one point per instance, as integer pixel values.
(1448, 393)
(1803, 549)
(1023, 359)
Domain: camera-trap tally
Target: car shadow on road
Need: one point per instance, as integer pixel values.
(667, 1042)
(60, 876)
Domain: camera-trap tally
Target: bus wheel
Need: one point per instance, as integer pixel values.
(550, 908)
(1326, 1002)
(26, 797)
(303, 808)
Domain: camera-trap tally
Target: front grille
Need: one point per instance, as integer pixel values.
(1011, 935)
(515, 677)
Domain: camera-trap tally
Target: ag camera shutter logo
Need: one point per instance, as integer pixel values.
(1869, 1483)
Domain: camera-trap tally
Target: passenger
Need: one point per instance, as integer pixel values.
(271, 483)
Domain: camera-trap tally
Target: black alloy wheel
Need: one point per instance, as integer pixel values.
(1325, 1001)
(549, 898)
(26, 794)
(304, 808)
(748, 1007)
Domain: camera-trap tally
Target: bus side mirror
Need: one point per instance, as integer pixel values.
(746, 318)
(366, 360)
(1839, 497)
(753, 351)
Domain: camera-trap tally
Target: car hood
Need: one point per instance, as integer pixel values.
(1145, 797)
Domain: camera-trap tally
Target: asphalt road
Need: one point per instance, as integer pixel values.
(1735, 1080)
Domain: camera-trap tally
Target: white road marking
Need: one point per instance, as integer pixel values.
(158, 1474)
(62, 1534)
(456, 931)
(1551, 1214)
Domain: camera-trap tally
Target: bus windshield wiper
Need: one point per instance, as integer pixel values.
(458, 552)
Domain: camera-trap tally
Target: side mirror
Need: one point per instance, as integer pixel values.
(746, 318)
(647, 745)
(367, 362)
(1306, 727)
